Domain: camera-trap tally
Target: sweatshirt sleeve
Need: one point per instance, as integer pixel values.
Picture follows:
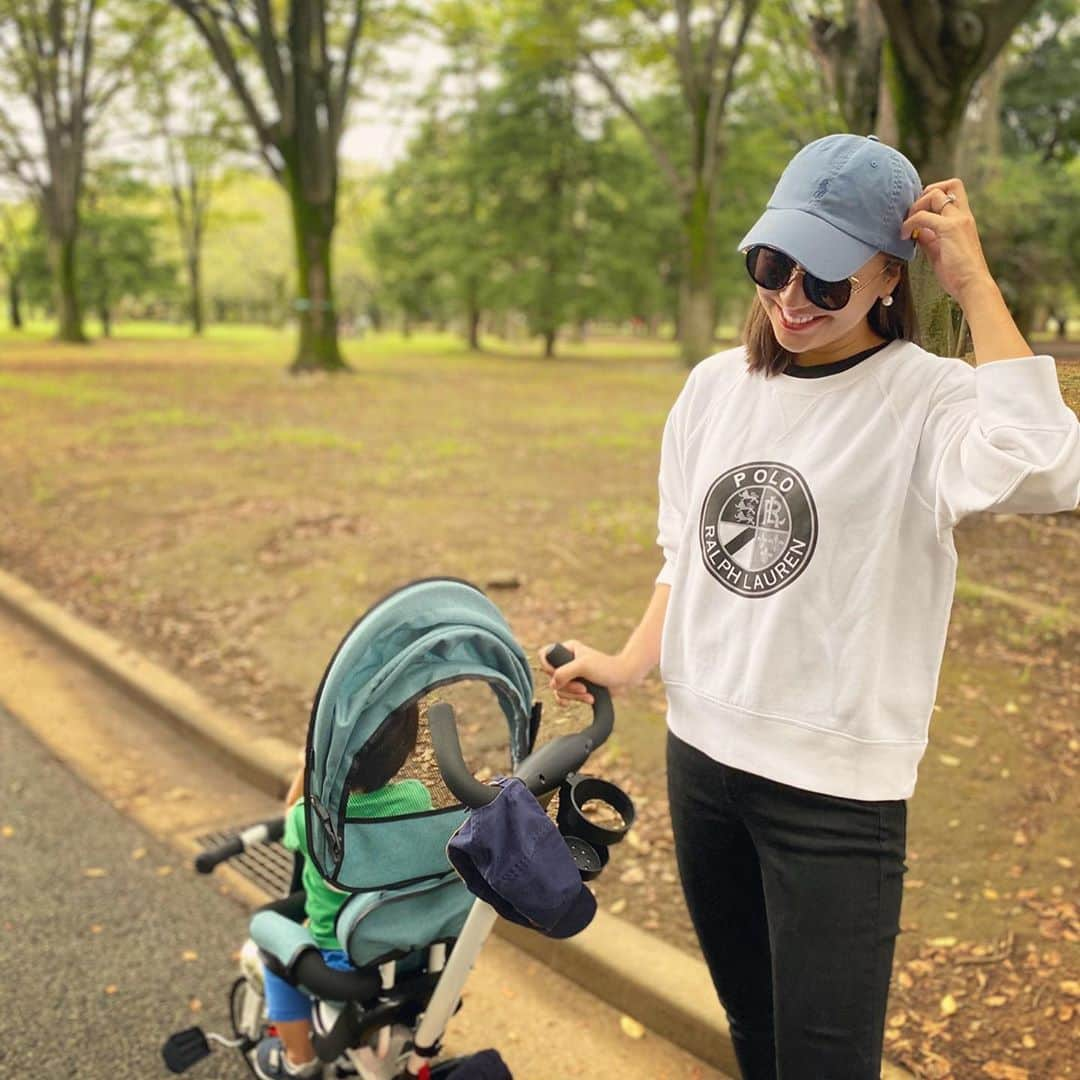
(673, 493)
(999, 437)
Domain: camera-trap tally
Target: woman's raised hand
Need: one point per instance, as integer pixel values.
(597, 667)
(941, 223)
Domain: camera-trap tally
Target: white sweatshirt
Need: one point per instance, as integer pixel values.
(806, 525)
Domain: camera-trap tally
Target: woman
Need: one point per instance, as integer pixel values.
(809, 485)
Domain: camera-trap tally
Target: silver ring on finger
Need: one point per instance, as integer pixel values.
(949, 198)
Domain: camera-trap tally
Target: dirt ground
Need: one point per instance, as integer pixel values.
(232, 523)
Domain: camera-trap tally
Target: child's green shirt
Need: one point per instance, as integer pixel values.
(324, 901)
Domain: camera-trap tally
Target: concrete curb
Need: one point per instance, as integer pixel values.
(664, 988)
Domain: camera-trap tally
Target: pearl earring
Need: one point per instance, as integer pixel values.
(886, 301)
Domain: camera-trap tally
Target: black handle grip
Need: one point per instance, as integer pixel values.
(205, 861)
(444, 737)
(603, 713)
(262, 833)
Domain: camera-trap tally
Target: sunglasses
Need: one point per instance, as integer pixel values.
(773, 270)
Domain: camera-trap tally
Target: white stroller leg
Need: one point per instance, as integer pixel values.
(448, 992)
(388, 973)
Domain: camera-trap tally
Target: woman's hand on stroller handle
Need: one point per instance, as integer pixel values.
(542, 771)
(585, 669)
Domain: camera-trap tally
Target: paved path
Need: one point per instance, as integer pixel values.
(108, 944)
(107, 938)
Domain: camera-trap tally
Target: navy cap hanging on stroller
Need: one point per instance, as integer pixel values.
(410, 926)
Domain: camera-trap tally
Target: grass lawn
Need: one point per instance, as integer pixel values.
(232, 521)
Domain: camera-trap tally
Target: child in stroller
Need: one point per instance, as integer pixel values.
(373, 794)
(408, 925)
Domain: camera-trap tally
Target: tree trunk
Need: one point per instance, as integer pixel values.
(105, 314)
(934, 55)
(14, 303)
(313, 227)
(65, 288)
(850, 52)
(697, 305)
(195, 299)
(474, 328)
(549, 343)
(928, 121)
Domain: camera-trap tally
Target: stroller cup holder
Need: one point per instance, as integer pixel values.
(589, 842)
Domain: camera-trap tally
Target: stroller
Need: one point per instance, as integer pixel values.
(410, 926)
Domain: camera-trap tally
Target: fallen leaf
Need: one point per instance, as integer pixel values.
(948, 1005)
(941, 942)
(1070, 987)
(7, 832)
(189, 955)
(1000, 1071)
(194, 1004)
(163, 871)
(1064, 863)
(1029, 1042)
(95, 872)
(995, 1001)
(949, 759)
(631, 1028)
(618, 907)
(95, 929)
(110, 989)
(991, 894)
(139, 853)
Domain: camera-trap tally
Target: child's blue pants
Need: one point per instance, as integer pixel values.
(286, 1002)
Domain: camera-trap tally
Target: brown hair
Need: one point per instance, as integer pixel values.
(765, 354)
(379, 759)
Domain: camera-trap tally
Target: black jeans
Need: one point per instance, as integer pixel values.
(795, 898)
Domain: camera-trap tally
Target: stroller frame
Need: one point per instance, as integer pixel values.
(386, 1027)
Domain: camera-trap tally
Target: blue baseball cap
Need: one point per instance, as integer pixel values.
(840, 200)
(511, 854)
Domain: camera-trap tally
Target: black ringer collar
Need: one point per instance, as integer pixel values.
(819, 371)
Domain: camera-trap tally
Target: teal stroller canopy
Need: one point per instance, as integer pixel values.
(425, 635)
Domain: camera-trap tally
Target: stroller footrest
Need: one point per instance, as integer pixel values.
(184, 1049)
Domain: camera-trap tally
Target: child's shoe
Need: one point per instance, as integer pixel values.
(271, 1063)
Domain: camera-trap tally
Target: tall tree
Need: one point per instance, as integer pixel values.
(936, 51)
(193, 121)
(934, 54)
(61, 63)
(847, 38)
(697, 45)
(293, 67)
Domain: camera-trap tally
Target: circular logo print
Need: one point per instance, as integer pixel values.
(758, 528)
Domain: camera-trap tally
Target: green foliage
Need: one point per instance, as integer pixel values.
(1040, 105)
(118, 258)
(1029, 221)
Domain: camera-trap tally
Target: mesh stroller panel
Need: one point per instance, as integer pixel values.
(426, 635)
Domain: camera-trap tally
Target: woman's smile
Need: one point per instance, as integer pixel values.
(797, 322)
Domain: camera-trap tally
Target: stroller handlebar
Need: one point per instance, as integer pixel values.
(542, 771)
(262, 833)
